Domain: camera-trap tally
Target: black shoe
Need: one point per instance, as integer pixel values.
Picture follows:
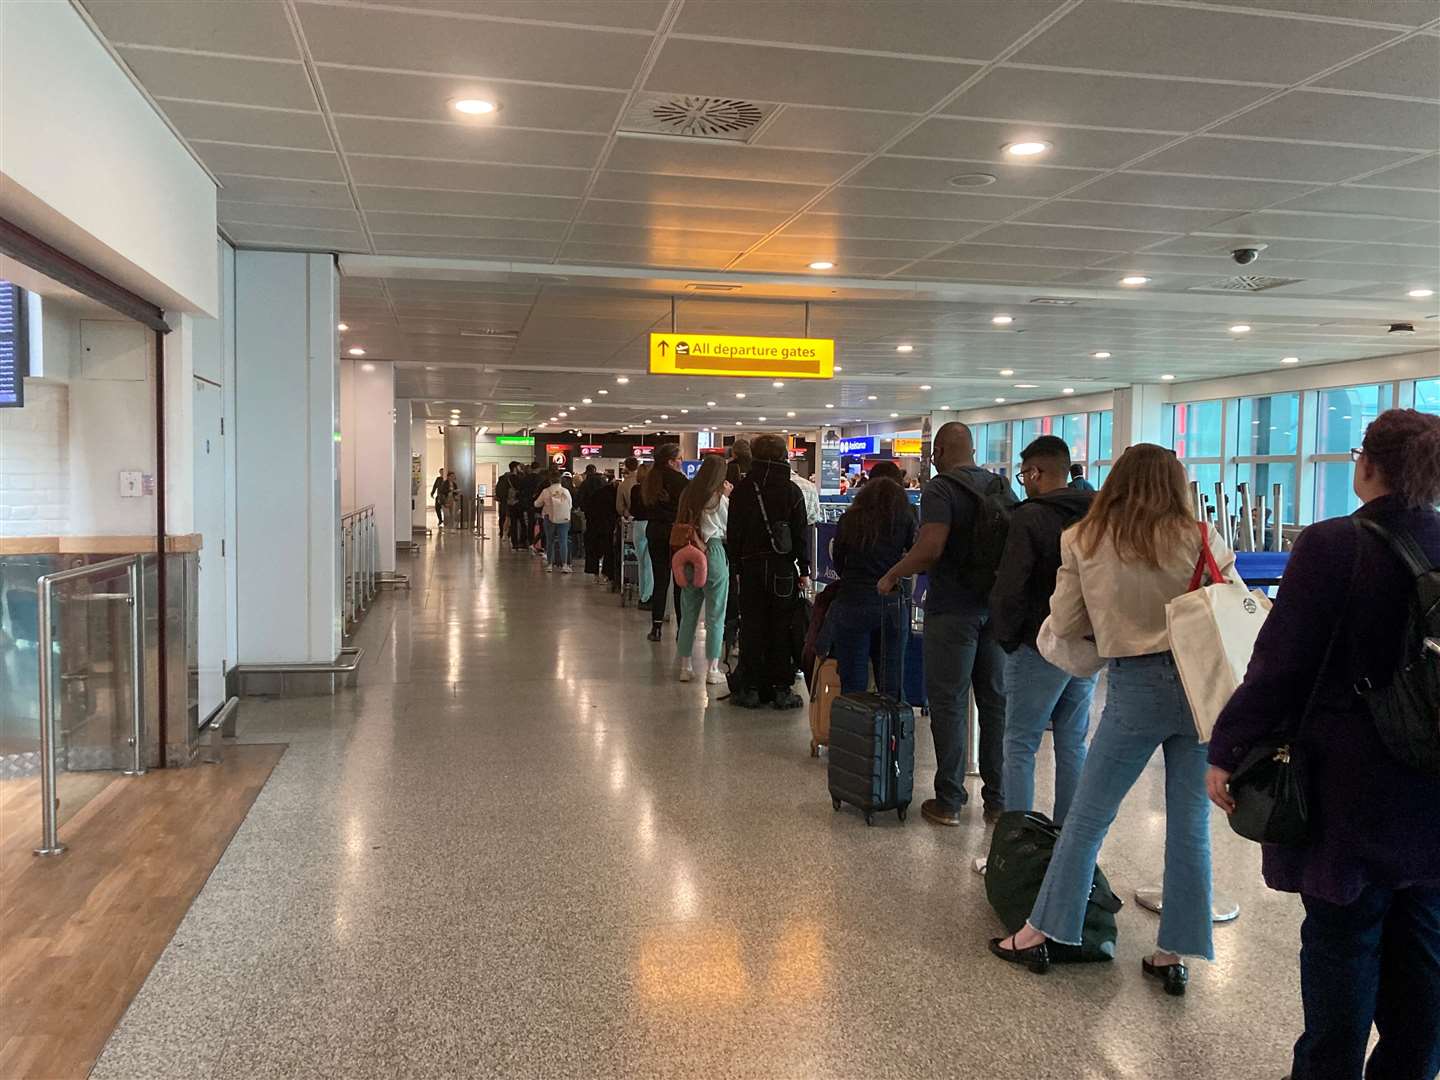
(788, 699)
(654, 634)
(1036, 958)
(1174, 976)
(992, 814)
(746, 699)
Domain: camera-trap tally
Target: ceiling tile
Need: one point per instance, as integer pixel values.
(1055, 236)
(372, 37)
(1394, 12)
(1065, 97)
(923, 27)
(1123, 216)
(1381, 202)
(990, 272)
(982, 252)
(1269, 160)
(492, 228)
(887, 228)
(784, 264)
(399, 244)
(259, 127)
(839, 249)
(449, 176)
(428, 97)
(660, 216)
(619, 14)
(701, 191)
(1419, 257)
(1199, 43)
(1423, 174)
(1410, 69)
(1343, 118)
(678, 157)
(266, 161)
(799, 77)
(304, 216)
(672, 239)
(981, 140)
(1147, 189)
(931, 175)
(280, 85)
(258, 28)
(832, 129)
(697, 258)
(458, 142)
(1222, 246)
(468, 203)
(885, 202)
(289, 236)
(289, 192)
(1310, 226)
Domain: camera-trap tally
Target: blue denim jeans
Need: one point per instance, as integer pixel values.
(557, 542)
(857, 623)
(1039, 695)
(961, 652)
(1376, 960)
(1145, 707)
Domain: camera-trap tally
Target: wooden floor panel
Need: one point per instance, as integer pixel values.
(79, 933)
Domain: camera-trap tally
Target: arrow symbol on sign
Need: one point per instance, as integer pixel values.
(663, 346)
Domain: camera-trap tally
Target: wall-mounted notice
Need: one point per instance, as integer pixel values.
(13, 346)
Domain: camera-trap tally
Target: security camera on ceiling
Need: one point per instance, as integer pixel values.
(1247, 255)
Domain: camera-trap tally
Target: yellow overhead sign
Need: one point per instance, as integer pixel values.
(905, 446)
(725, 354)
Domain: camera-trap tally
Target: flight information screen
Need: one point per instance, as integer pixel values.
(12, 347)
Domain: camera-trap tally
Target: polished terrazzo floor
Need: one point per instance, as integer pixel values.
(519, 848)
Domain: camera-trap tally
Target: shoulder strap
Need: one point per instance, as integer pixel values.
(1404, 546)
(1206, 562)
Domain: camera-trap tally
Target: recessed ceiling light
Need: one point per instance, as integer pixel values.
(737, 423)
(971, 179)
(1420, 294)
(553, 419)
(586, 400)
(431, 367)
(1027, 148)
(621, 379)
(761, 419)
(710, 404)
(367, 367)
(1134, 280)
(894, 415)
(740, 396)
(357, 351)
(342, 327)
(1068, 390)
(1025, 386)
(602, 391)
(564, 414)
(684, 410)
(904, 348)
(791, 414)
(839, 368)
(1290, 360)
(1240, 328)
(944, 408)
(999, 401)
(1101, 355)
(777, 384)
(926, 386)
(1007, 371)
(474, 106)
(1002, 320)
(1167, 378)
(822, 264)
(872, 397)
(829, 405)
(663, 416)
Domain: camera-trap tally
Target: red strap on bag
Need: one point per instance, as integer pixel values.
(1206, 562)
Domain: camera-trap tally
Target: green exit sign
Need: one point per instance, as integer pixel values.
(515, 440)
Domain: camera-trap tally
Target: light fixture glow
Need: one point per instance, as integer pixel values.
(1002, 320)
(829, 405)
(1420, 294)
(871, 397)
(904, 348)
(1100, 355)
(367, 367)
(822, 264)
(342, 327)
(357, 351)
(1290, 360)
(1068, 390)
(761, 419)
(894, 415)
(474, 106)
(1134, 280)
(1240, 328)
(926, 386)
(564, 414)
(684, 411)
(1007, 371)
(999, 401)
(602, 391)
(710, 404)
(790, 414)
(621, 379)
(586, 400)
(777, 384)
(944, 408)
(1025, 386)
(1167, 378)
(740, 396)
(839, 368)
(1029, 148)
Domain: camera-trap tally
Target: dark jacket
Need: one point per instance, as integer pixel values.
(440, 489)
(1020, 599)
(747, 537)
(662, 509)
(860, 568)
(502, 490)
(530, 485)
(1372, 819)
(587, 488)
(599, 507)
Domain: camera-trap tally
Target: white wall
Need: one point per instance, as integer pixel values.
(287, 472)
(420, 509)
(374, 452)
(401, 483)
(349, 437)
(35, 462)
(89, 167)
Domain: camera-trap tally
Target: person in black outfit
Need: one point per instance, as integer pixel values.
(440, 492)
(659, 498)
(767, 534)
(601, 518)
(588, 483)
(740, 460)
(502, 494)
(532, 480)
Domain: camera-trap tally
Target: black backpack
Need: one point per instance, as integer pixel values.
(993, 507)
(1407, 710)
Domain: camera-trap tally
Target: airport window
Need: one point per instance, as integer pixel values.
(1268, 426)
(1344, 414)
(1427, 396)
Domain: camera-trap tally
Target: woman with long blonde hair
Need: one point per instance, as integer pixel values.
(1134, 552)
(705, 506)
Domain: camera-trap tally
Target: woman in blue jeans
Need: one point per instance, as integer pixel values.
(1133, 553)
(705, 507)
(873, 535)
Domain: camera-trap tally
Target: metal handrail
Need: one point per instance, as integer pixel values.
(359, 557)
(135, 597)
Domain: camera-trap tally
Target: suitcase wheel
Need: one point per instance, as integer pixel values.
(835, 802)
(869, 818)
(901, 811)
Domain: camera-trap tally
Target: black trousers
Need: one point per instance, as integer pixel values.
(657, 537)
(769, 591)
(517, 527)
(439, 512)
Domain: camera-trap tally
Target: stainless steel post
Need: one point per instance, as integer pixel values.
(1245, 538)
(49, 807)
(1277, 494)
(1195, 500)
(1262, 510)
(136, 574)
(1222, 512)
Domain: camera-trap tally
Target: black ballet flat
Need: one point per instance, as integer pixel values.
(1036, 958)
(1174, 976)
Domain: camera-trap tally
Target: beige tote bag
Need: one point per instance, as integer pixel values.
(1212, 634)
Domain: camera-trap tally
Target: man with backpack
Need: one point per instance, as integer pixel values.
(964, 518)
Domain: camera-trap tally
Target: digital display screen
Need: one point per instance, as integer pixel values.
(13, 346)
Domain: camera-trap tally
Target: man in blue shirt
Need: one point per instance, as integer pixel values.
(956, 507)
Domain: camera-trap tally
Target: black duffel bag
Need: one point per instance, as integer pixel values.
(1020, 852)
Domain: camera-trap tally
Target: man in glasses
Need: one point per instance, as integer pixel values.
(1038, 694)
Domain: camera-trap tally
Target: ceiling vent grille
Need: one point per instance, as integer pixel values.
(694, 117)
(1245, 283)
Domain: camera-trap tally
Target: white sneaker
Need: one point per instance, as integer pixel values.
(549, 569)
(566, 569)
(714, 677)
(687, 671)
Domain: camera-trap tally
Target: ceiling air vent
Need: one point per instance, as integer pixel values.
(689, 116)
(1244, 283)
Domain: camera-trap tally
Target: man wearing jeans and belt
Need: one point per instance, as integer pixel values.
(960, 648)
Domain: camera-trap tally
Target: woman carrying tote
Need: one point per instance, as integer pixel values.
(705, 505)
(660, 496)
(1369, 871)
(1134, 552)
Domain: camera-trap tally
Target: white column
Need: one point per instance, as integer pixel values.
(1139, 412)
(419, 509)
(373, 450)
(287, 478)
(401, 427)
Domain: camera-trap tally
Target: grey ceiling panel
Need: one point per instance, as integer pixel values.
(1394, 12)
(258, 28)
(1421, 205)
(316, 217)
(258, 127)
(495, 228)
(832, 129)
(289, 192)
(166, 74)
(1423, 175)
(468, 203)
(920, 204)
(397, 244)
(930, 175)
(1123, 216)
(1409, 69)
(616, 14)
(292, 237)
(892, 228)
(674, 157)
(1270, 160)
(712, 219)
(983, 141)
(1342, 118)
(267, 161)
(452, 176)
(458, 142)
(1147, 189)
(703, 191)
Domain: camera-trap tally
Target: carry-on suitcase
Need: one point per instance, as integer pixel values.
(872, 754)
(629, 565)
(824, 689)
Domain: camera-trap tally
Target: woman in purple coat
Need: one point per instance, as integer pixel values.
(1369, 874)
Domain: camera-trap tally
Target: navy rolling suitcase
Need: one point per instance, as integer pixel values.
(872, 754)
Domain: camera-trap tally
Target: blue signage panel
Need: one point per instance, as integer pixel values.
(865, 445)
(690, 468)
